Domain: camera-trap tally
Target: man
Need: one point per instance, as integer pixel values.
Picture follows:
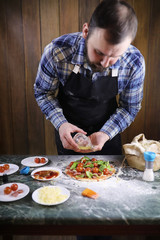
(89, 70)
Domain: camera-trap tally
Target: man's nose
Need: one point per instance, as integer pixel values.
(105, 61)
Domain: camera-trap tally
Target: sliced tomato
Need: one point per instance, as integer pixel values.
(15, 194)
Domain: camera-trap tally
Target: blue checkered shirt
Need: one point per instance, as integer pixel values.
(57, 63)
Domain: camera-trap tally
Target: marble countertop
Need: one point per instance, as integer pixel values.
(124, 199)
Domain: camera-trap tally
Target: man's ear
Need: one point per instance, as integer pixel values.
(85, 30)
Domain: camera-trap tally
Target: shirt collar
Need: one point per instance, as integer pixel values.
(79, 53)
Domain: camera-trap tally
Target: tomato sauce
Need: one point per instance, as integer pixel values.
(46, 174)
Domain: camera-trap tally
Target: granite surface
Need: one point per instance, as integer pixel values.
(123, 199)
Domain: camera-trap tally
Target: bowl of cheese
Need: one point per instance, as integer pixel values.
(50, 195)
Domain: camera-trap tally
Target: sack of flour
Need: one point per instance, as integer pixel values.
(134, 152)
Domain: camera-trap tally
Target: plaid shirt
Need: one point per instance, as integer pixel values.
(57, 63)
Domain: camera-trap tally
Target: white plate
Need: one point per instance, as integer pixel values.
(9, 198)
(63, 191)
(29, 162)
(46, 168)
(12, 169)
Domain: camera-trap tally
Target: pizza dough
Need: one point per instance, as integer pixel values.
(134, 152)
(90, 170)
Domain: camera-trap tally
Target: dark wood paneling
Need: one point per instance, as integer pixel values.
(49, 12)
(141, 42)
(6, 131)
(32, 50)
(16, 76)
(152, 107)
(68, 16)
(86, 8)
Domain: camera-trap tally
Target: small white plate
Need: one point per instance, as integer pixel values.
(63, 191)
(29, 162)
(8, 198)
(46, 169)
(12, 169)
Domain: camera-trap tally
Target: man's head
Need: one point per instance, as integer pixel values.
(112, 28)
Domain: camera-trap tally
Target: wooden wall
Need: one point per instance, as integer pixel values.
(26, 26)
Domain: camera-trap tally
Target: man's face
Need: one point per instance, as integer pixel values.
(101, 54)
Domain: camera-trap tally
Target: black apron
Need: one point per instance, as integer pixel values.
(89, 104)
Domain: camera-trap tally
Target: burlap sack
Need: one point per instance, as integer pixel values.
(134, 152)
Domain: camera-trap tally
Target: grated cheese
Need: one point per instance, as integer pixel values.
(51, 195)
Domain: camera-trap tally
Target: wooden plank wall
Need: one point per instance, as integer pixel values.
(26, 26)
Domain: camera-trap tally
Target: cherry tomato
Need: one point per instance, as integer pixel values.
(37, 160)
(95, 164)
(7, 190)
(106, 171)
(80, 165)
(2, 169)
(14, 187)
(88, 163)
(42, 160)
(88, 169)
(6, 166)
(83, 160)
(93, 159)
(95, 170)
(79, 169)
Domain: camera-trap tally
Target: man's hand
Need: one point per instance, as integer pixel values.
(98, 139)
(65, 131)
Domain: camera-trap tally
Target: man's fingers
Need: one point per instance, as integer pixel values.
(68, 143)
(80, 130)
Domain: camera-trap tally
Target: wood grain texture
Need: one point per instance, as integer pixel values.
(152, 106)
(86, 8)
(17, 76)
(6, 127)
(68, 16)
(49, 12)
(141, 42)
(32, 50)
(26, 27)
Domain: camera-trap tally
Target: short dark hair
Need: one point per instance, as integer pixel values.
(117, 17)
